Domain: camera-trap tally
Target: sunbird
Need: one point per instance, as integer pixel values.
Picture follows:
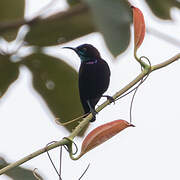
(94, 77)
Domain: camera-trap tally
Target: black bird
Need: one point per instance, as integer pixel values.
(94, 77)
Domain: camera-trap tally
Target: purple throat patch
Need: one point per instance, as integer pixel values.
(92, 62)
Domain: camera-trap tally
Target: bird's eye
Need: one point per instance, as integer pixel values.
(84, 49)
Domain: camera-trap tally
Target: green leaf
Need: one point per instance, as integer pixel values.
(162, 8)
(9, 12)
(113, 20)
(73, 2)
(9, 72)
(57, 83)
(18, 173)
(62, 27)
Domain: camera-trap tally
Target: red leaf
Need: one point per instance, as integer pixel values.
(139, 27)
(102, 134)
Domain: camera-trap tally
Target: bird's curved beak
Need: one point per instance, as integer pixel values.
(74, 49)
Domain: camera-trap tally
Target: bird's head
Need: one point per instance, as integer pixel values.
(86, 52)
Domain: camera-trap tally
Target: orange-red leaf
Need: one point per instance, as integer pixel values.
(139, 27)
(102, 134)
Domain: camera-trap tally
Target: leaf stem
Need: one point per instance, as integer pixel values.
(142, 63)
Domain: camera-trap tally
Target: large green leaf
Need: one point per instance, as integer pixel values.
(57, 83)
(9, 11)
(113, 18)
(73, 2)
(162, 8)
(17, 173)
(62, 27)
(9, 72)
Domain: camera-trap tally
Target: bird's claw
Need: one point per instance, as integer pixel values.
(94, 112)
(110, 98)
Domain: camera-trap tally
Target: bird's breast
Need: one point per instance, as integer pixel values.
(93, 79)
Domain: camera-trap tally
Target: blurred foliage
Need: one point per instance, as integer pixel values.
(18, 173)
(9, 72)
(9, 12)
(73, 2)
(162, 8)
(57, 83)
(61, 28)
(113, 20)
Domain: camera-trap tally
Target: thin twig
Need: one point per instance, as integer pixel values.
(71, 121)
(34, 154)
(165, 63)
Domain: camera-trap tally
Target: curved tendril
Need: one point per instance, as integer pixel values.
(67, 149)
(71, 121)
(136, 88)
(142, 80)
(35, 174)
(60, 162)
(84, 172)
(52, 160)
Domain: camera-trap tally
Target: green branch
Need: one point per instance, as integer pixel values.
(165, 63)
(85, 121)
(6, 26)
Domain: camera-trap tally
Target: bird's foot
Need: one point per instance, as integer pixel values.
(110, 98)
(93, 111)
(93, 119)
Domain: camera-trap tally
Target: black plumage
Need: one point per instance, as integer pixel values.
(94, 77)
